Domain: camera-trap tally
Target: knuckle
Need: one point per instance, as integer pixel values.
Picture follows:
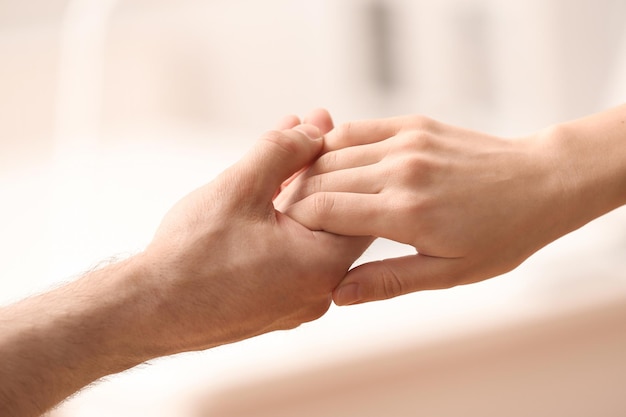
(413, 156)
(421, 123)
(345, 129)
(323, 203)
(413, 169)
(345, 134)
(391, 284)
(326, 162)
(310, 188)
(314, 184)
(420, 140)
(281, 142)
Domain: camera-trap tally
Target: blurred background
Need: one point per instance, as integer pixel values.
(111, 110)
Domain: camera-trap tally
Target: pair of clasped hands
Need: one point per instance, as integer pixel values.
(308, 199)
(269, 243)
(273, 238)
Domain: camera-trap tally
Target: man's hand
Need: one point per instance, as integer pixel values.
(223, 266)
(230, 266)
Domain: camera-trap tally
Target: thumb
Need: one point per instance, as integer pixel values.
(390, 278)
(279, 154)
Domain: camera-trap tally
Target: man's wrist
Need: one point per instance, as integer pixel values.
(106, 313)
(128, 316)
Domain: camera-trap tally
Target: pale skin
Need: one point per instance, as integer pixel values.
(472, 205)
(223, 266)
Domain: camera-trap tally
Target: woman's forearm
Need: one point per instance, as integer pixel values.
(591, 156)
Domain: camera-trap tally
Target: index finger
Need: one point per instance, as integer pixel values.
(363, 132)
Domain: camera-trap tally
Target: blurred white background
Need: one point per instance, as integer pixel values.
(111, 110)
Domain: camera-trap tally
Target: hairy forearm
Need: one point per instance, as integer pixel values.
(54, 344)
(223, 266)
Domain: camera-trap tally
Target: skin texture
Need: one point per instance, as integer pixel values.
(472, 205)
(223, 266)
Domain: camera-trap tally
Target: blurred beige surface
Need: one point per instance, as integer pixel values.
(112, 110)
(562, 365)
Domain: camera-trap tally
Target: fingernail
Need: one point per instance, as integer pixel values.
(312, 132)
(347, 294)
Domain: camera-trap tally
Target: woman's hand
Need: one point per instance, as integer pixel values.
(473, 205)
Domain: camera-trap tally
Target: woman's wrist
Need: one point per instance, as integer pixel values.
(589, 159)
